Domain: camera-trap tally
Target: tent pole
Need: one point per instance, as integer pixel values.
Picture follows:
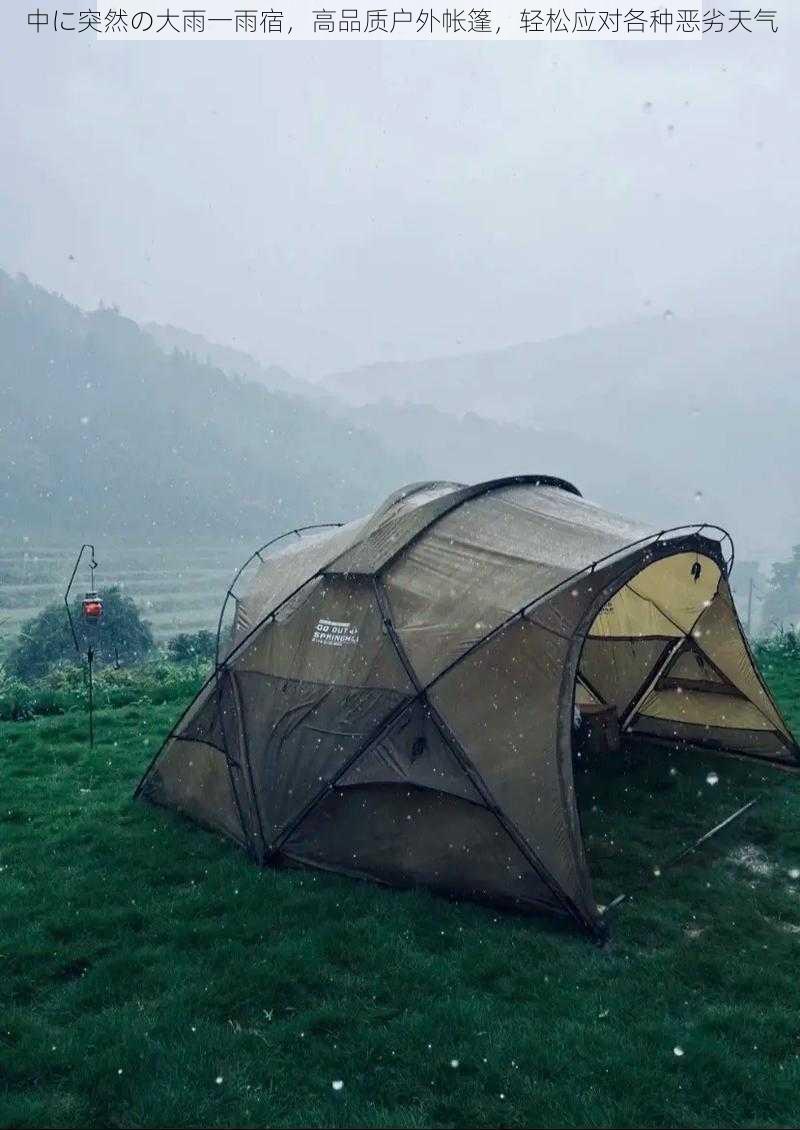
(662, 663)
(712, 832)
(686, 851)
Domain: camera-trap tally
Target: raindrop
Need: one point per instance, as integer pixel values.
(794, 873)
(712, 779)
(678, 1051)
(647, 107)
(657, 872)
(698, 496)
(218, 1080)
(454, 1063)
(668, 315)
(337, 1084)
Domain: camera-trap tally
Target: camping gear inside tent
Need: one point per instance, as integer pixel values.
(398, 696)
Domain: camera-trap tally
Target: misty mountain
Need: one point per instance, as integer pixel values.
(466, 448)
(666, 361)
(157, 433)
(470, 448)
(235, 362)
(103, 433)
(677, 405)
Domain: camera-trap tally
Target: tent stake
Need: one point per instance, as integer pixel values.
(686, 851)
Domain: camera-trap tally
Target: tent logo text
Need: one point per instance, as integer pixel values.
(335, 633)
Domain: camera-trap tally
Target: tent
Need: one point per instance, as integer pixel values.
(396, 697)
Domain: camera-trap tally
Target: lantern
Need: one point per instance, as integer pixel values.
(92, 608)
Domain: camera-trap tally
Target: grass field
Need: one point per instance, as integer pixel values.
(150, 976)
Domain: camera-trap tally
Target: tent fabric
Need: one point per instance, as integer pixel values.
(397, 697)
(616, 670)
(194, 778)
(691, 666)
(291, 564)
(763, 744)
(288, 567)
(396, 526)
(406, 837)
(718, 636)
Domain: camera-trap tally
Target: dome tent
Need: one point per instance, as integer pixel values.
(396, 699)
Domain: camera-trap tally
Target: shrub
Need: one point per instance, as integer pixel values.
(46, 641)
(63, 688)
(188, 647)
(783, 648)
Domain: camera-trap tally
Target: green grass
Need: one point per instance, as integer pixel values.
(143, 959)
(63, 689)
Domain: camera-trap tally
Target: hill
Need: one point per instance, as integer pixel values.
(104, 431)
(703, 411)
(235, 362)
(156, 433)
(471, 448)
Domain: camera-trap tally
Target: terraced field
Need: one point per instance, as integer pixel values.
(178, 590)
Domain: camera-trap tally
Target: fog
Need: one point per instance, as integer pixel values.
(329, 206)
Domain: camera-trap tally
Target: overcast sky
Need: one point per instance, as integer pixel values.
(329, 205)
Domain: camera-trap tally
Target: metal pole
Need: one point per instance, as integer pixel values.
(684, 852)
(707, 836)
(90, 652)
(90, 658)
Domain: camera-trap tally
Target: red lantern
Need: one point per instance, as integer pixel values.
(92, 608)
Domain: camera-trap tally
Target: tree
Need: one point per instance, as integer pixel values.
(782, 603)
(46, 640)
(188, 646)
